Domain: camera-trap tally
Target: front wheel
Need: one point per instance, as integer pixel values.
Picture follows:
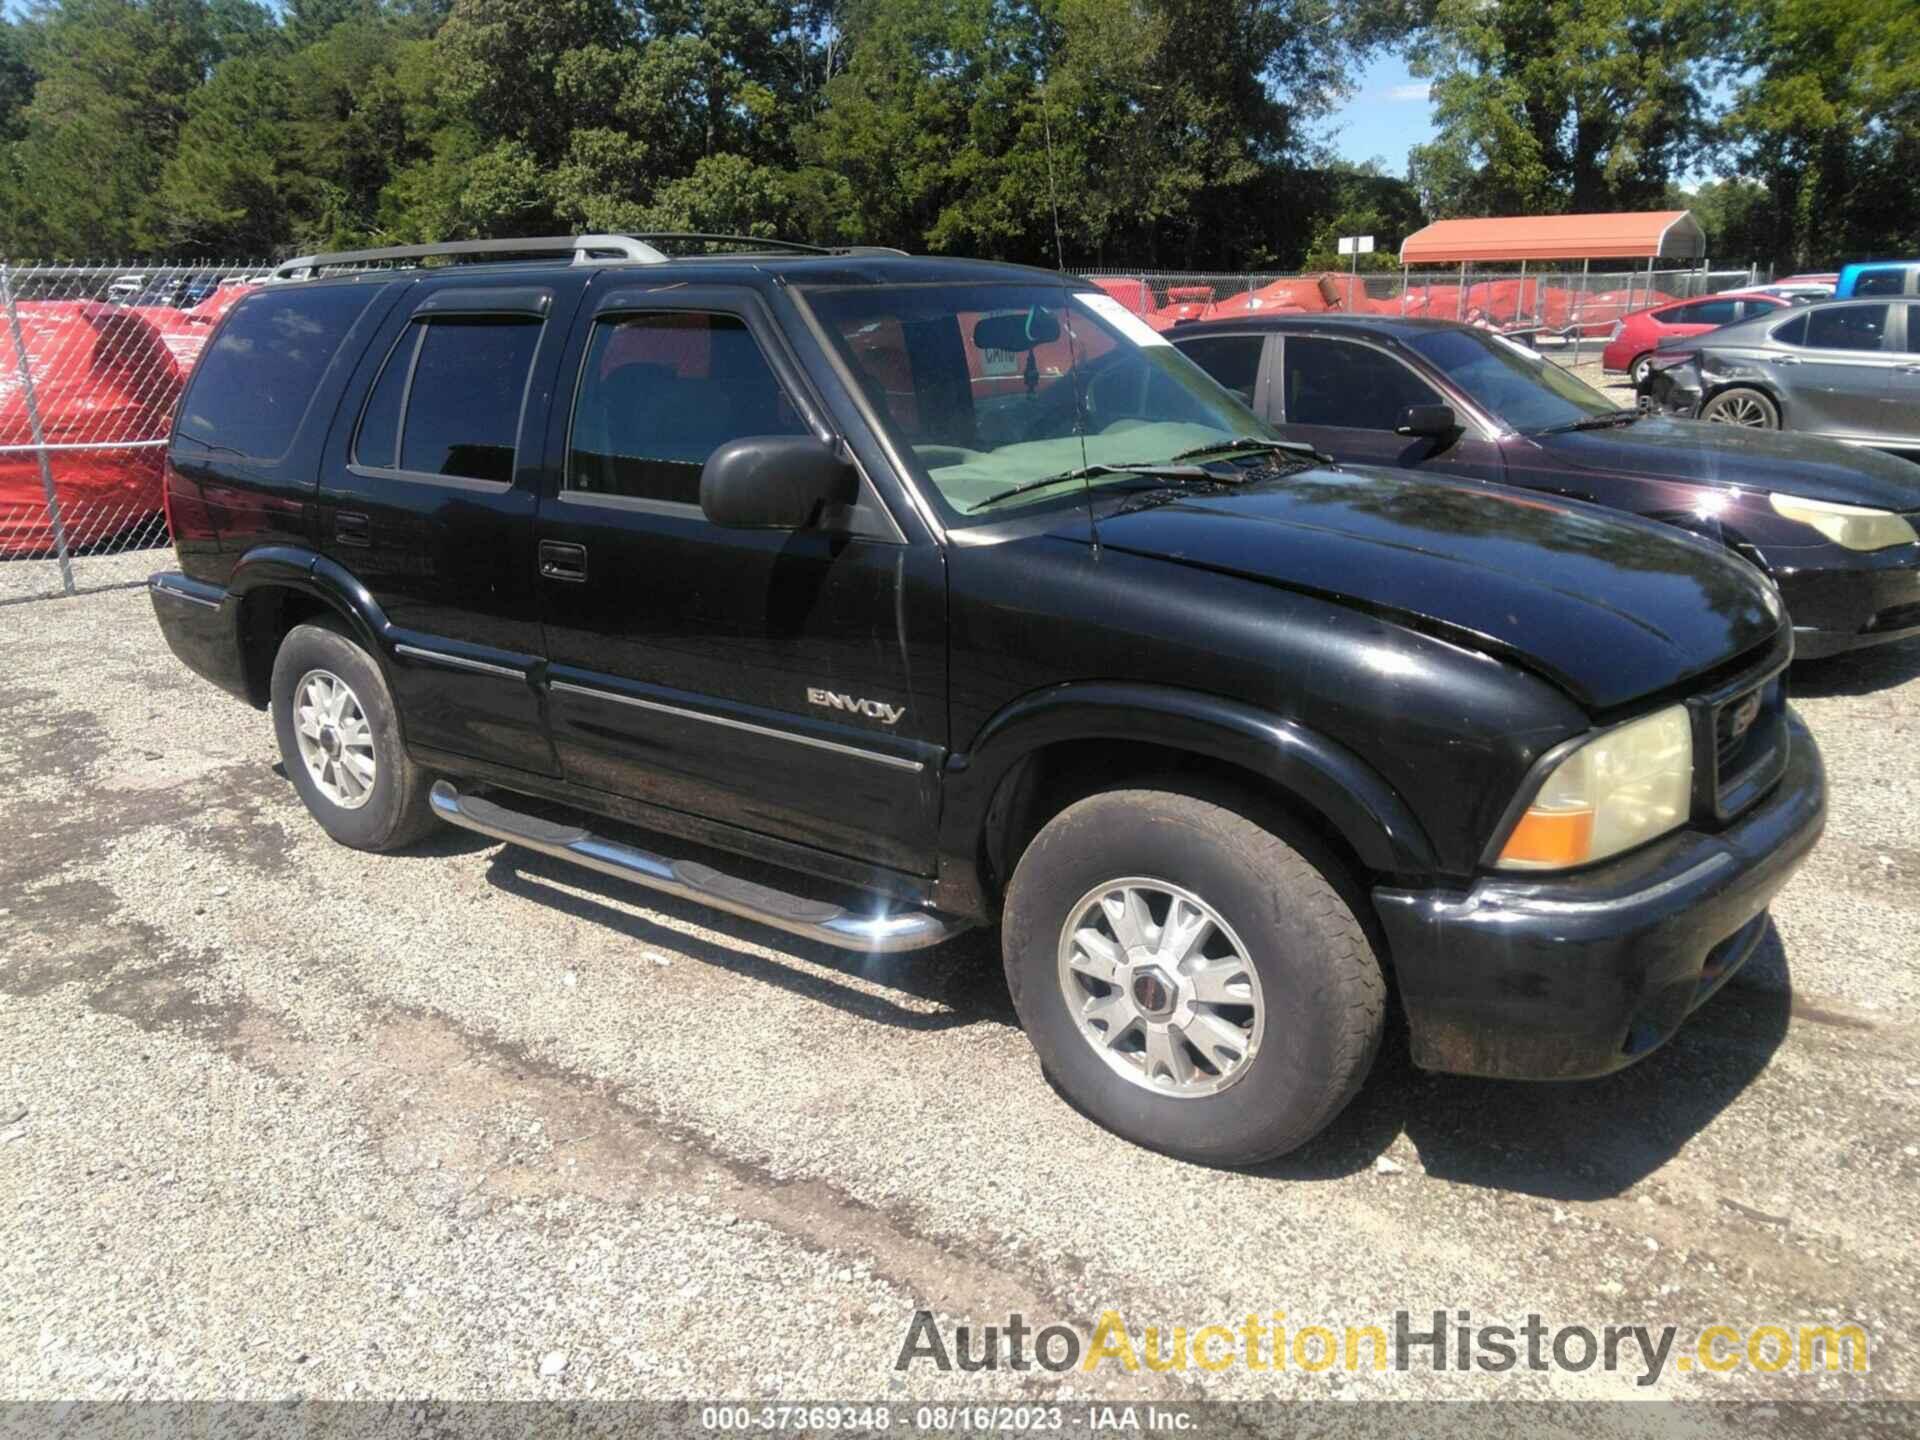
(1189, 979)
(1742, 406)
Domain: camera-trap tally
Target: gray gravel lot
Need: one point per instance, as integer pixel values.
(468, 1123)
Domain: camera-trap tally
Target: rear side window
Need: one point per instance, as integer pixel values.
(448, 400)
(1847, 327)
(1233, 360)
(1880, 282)
(1794, 332)
(1704, 312)
(253, 385)
(659, 394)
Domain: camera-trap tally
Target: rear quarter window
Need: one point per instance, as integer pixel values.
(254, 384)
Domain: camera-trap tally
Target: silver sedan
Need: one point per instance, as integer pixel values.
(1848, 369)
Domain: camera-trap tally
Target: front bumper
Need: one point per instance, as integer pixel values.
(1578, 975)
(1850, 599)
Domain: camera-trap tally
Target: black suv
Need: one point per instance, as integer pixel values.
(955, 583)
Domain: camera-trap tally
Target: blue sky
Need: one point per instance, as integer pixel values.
(1388, 115)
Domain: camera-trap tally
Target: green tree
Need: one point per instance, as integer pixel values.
(1827, 117)
(114, 78)
(1560, 105)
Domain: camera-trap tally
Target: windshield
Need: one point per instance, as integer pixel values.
(1519, 386)
(993, 387)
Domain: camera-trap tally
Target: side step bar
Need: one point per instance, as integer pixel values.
(885, 933)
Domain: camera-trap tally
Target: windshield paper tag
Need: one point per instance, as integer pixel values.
(1120, 318)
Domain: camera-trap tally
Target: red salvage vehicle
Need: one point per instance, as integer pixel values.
(101, 376)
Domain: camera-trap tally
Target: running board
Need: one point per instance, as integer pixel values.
(885, 933)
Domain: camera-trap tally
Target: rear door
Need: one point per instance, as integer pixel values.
(1239, 362)
(788, 683)
(428, 497)
(1345, 397)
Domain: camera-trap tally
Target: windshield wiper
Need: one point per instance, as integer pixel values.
(1595, 422)
(1161, 468)
(1255, 442)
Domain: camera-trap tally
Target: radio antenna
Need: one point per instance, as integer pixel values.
(1053, 193)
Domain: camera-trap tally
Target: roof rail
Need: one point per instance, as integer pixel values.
(583, 248)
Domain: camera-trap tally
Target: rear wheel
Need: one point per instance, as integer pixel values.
(1742, 406)
(340, 740)
(1189, 979)
(1640, 369)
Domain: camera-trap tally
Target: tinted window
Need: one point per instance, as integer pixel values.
(1749, 309)
(1913, 330)
(1794, 332)
(378, 444)
(659, 394)
(1705, 312)
(463, 407)
(1880, 282)
(253, 385)
(1233, 360)
(1333, 382)
(1847, 327)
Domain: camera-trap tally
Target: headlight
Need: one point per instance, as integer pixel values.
(1620, 789)
(1853, 526)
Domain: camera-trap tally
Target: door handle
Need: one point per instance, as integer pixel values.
(350, 528)
(562, 561)
(1786, 360)
(1910, 369)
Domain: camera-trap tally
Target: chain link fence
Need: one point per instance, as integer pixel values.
(1560, 308)
(92, 361)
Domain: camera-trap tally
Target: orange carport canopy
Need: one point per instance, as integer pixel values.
(1665, 234)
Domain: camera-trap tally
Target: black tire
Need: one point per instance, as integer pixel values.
(1736, 401)
(395, 812)
(1323, 990)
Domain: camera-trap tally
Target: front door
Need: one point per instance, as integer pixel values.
(1345, 397)
(1902, 400)
(789, 683)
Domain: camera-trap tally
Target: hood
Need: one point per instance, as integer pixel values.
(1730, 455)
(1608, 607)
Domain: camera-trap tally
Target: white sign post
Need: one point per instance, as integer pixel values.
(1356, 246)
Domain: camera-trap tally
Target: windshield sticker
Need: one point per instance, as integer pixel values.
(1122, 319)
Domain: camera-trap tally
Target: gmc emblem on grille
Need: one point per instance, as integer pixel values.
(1744, 714)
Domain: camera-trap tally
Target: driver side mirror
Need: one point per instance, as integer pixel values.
(775, 482)
(1434, 422)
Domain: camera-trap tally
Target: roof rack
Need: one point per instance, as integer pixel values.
(583, 248)
(642, 248)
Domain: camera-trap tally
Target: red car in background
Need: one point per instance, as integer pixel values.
(1636, 336)
(102, 377)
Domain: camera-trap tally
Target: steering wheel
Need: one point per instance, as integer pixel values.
(1116, 393)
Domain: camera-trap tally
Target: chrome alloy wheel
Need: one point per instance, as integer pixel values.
(1739, 410)
(1161, 987)
(335, 740)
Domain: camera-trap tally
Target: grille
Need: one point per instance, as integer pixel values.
(1749, 744)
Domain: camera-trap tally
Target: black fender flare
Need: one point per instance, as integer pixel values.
(1318, 771)
(292, 567)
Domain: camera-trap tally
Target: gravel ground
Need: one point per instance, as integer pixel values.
(279, 1119)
